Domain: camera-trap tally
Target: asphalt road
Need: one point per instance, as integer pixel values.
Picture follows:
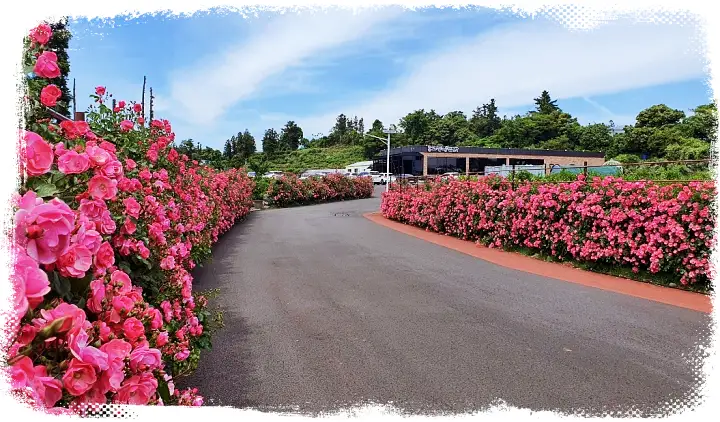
(324, 312)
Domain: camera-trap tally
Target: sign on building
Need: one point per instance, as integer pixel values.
(434, 148)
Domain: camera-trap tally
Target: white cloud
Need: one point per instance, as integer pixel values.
(513, 64)
(202, 93)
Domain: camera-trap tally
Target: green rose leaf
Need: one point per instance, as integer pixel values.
(45, 190)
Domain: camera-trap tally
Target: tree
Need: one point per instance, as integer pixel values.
(187, 147)
(485, 120)
(703, 124)
(228, 150)
(290, 136)
(271, 143)
(544, 104)
(247, 144)
(658, 116)
(258, 164)
(595, 137)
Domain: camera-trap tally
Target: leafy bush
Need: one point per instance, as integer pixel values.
(109, 221)
(638, 225)
(261, 187)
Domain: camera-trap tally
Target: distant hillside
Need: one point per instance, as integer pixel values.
(317, 158)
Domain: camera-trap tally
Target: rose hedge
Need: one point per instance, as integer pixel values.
(290, 190)
(639, 225)
(109, 222)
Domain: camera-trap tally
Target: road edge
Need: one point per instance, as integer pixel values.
(669, 296)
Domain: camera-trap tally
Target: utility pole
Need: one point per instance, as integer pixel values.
(74, 99)
(143, 98)
(151, 104)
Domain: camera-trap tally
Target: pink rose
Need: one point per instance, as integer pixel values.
(49, 95)
(45, 229)
(113, 169)
(137, 390)
(33, 283)
(182, 355)
(48, 389)
(22, 373)
(133, 328)
(38, 154)
(162, 339)
(145, 359)
(100, 91)
(71, 316)
(143, 250)
(73, 163)
(93, 209)
(97, 294)
(46, 65)
(90, 239)
(167, 263)
(75, 262)
(106, 224)
(129, 226)
(79, 377)
(132, 207)
(123, 304)
(137, 108)
(156, 320)
(121, 281)
(98, 156)
(105, 257)
(126, 125)
(78, 342)
(130, 164)
(41, 34)
(102, 188)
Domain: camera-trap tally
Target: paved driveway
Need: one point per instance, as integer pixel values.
(325, 309)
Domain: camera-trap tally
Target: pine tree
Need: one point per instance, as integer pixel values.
(545, 105)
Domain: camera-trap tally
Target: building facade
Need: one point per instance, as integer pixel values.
(423, 160)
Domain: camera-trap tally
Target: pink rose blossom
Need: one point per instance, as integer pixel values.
(49, 95)
(73, 163)
(46, 65)
(41, 34)
(38, 154)
(133, 328)
(102, 188)
(79, 377)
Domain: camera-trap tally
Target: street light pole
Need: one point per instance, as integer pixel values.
(387, 162)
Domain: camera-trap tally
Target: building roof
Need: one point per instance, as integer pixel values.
(360, 163)
(417, 149)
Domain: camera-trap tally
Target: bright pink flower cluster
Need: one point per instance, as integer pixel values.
(640, 225)
(290, 190)
(109, 222)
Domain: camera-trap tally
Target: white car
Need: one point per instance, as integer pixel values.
(450, 175)
(382, 178)
(273, 174)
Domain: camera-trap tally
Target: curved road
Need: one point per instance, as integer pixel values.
(324, 312)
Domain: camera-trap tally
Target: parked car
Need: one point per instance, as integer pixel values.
(364, 174)
(450, 175)
(404, 176)
(383, 178)
(273, 174)
(251, 174)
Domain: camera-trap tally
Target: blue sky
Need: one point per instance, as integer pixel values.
(216, 73)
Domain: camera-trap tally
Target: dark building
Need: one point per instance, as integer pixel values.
(423, 160)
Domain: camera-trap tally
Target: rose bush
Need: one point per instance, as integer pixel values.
(290, 190)
(639, 225)
(109, 222)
